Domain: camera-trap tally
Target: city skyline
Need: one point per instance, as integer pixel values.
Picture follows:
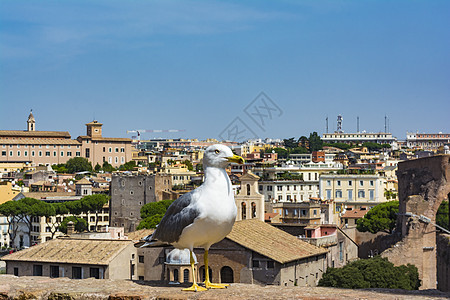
(199, 66)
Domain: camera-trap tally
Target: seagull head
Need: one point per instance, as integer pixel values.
(220, 156)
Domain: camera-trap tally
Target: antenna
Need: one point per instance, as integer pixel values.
(339, 124)
(385, 123)
(357, 124)
(326, 119)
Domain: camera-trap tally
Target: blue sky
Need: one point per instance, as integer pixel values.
(196, 65)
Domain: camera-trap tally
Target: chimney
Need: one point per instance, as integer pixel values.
(70, 228)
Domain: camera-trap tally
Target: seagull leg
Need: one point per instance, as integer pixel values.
(208, 283)
(195, 287)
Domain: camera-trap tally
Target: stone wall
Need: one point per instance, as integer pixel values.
(443, 262)
(12, 287)
(423, 185)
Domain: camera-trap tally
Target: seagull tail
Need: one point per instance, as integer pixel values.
(153, 243)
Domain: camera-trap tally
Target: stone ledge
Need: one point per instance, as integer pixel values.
(28, 287)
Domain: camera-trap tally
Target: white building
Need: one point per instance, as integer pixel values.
(352, 191)
(361, 137)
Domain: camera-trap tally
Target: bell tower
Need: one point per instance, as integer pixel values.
(31, 122)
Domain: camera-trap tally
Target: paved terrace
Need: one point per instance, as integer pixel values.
(12, 287)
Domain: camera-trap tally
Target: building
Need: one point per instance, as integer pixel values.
(34, 148)
(45, 229)
(306, 212)
(352, 190)
(249, 202)
(98, 149)
(76, 259)
(130, 192)
(254, 252)
(360, 138)
(427, 141)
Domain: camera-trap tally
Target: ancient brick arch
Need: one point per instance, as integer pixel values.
(423, 184)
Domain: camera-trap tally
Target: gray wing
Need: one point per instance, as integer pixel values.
(179, 215)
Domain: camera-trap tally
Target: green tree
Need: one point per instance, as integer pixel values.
(107, 167)
(10, 209)
(375, 272)
(152, 213)
(60, 168)
(315, 142)
(94, 204)
(128, 166)
(80, 224)
(442, 215)
(282, 153)
(74, 207)
(380, 218)
(29, 208)
(97, 168)
(189, 165)
(290, 143)
(78, 164)
(342, 146)
(150, 222)
(298, 150)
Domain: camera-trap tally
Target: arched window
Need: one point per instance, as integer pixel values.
(226, 275)
(244, 210)
(248, 189)
(253, 210)
(175, 275)
(186, 275)
(203, 275)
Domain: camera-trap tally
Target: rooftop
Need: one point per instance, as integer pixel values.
(271, 242)
(72, 250)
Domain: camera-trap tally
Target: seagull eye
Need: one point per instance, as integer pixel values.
(217, 151)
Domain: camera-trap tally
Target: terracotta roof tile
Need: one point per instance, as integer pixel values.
(271, 242)
(70, 250)
(354, 214)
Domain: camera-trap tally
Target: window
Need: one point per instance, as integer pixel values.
(3, 153)
(76, 273)
(279, 187)
(37, 270)
(338, 194)
(361, 194)
(328, 194)
(87, 152)
(110, 150)
(54, 271)
(16, 271)
(116, 159)
(94, 272)
(54, 153)
(226, 275)
(244, 211)
(371, 195)
(350, 183)
(361, 183)
(315, 212)
(122, 160)
(122, 149)
(10, 153)
(280, 197)
(77, 153)
(25, 153)
(47, 153)
(341, 251)
(69, 153)
(350, 194)
(338, 183)
(18, 153)
(117, 150)
(141, 259)
(186, 275)
(371, 183)
(255, 263)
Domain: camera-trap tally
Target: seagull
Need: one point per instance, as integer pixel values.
(203, 216)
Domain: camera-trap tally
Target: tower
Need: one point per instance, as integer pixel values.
(94, 129)
(31, 122)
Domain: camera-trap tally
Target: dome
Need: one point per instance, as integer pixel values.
(179, 257)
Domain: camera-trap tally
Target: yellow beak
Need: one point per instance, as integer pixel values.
(236, 158)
